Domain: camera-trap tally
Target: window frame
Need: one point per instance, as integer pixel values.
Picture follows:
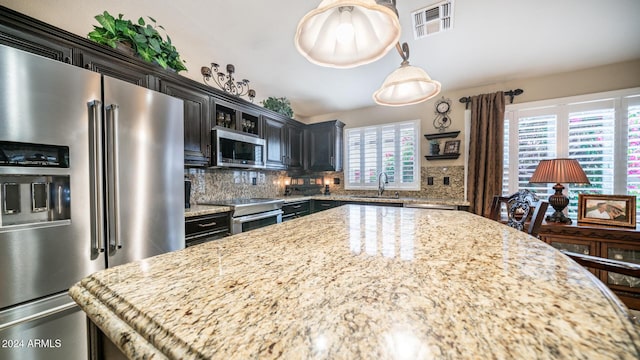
(412, 186)
(562, 107)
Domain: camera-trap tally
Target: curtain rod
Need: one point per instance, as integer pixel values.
(511, 94)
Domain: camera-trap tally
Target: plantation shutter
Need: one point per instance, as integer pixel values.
(392, 148)
(591, 142)
(633, 150)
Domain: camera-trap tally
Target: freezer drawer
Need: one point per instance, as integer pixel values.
(52, 328)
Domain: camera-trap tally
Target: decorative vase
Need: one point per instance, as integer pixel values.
(435, 149)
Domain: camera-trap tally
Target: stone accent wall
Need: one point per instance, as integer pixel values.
(453, 191)
(218, 184)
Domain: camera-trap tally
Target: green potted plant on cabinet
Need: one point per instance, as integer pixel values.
(144, 39)
(280, 105)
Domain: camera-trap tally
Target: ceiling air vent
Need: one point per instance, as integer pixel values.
(433, 19)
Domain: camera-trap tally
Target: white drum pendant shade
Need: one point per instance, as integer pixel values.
(407, 85)
(347, 33)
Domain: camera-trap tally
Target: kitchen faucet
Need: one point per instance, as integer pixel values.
(381, 183)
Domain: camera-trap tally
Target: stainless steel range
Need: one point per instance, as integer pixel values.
(249, 214)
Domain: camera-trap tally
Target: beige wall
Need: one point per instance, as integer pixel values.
(598, 79)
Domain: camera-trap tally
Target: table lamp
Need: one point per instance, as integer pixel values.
(559, 171)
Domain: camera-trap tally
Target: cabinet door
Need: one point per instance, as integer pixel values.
(627, 288)
(325, 146)
(622, 252)
(295, 146)
(197, 123)
(585, 247)
(112, 67)
(274, 134)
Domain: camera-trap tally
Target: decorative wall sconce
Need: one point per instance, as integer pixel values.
(226, 82)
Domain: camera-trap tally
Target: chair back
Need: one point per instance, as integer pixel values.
(610, 265)
(525, 211)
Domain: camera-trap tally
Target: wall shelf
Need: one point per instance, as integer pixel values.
(442, 157)
(451, 134)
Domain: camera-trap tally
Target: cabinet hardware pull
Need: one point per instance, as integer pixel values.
(296, 206)
(98, 175)
(207, 225)
(325, 205)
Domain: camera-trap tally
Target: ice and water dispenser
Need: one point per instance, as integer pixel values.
(29, 193)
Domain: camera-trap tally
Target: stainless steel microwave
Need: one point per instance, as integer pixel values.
(235, 149)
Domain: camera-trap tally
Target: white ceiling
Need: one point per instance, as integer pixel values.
(492, 41)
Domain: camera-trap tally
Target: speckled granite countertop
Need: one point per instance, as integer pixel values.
(362, 282)
(196, 210)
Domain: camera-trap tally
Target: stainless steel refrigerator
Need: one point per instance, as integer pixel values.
(91, 176)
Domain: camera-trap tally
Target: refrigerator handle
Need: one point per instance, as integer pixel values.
(112, 171)
(97, 197)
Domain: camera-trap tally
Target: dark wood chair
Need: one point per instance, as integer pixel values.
(611, 265)
(525, 211)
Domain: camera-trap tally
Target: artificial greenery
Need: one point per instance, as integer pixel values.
(144, 38)
(280, 105)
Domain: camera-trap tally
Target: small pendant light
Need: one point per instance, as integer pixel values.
(407, 85)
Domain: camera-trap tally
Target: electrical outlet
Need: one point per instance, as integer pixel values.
(446, 180)
(430, 180)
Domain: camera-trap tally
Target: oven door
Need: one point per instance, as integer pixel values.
(254, 221)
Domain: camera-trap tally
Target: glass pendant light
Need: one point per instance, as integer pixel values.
(407, 85)
(348, 33)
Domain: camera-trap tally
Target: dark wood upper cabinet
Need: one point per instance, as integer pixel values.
(236, 117)
(197, 122)
(325, 145)
(274, 133)
(285, 143)
(115, 68)
(24, 33)
(295, 146)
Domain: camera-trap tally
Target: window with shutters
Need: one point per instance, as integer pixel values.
(601, 131)
(392, 148)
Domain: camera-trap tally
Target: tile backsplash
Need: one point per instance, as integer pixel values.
(218, 184)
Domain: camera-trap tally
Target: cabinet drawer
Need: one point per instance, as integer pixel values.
(319, 205)
(198, 226)
(294, 208)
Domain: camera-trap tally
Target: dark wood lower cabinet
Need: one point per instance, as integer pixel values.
(607, 242)
(296, 209)
(202, 228)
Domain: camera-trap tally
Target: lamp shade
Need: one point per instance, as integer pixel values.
(559, 171)
(407, 85)
(347, 33)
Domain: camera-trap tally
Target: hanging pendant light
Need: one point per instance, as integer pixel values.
(348, 33)
(407, 85)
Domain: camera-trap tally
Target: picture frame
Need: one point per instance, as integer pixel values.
(452, 147)
(611, 210)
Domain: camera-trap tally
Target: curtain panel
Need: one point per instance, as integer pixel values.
(485, 151)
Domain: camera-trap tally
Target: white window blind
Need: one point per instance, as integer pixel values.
(591, 142)
(601, 131)
(633, 151)
(391, 148)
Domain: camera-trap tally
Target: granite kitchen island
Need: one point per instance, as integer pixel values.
(362, 282)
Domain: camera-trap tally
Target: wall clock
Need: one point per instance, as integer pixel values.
(442, 120)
